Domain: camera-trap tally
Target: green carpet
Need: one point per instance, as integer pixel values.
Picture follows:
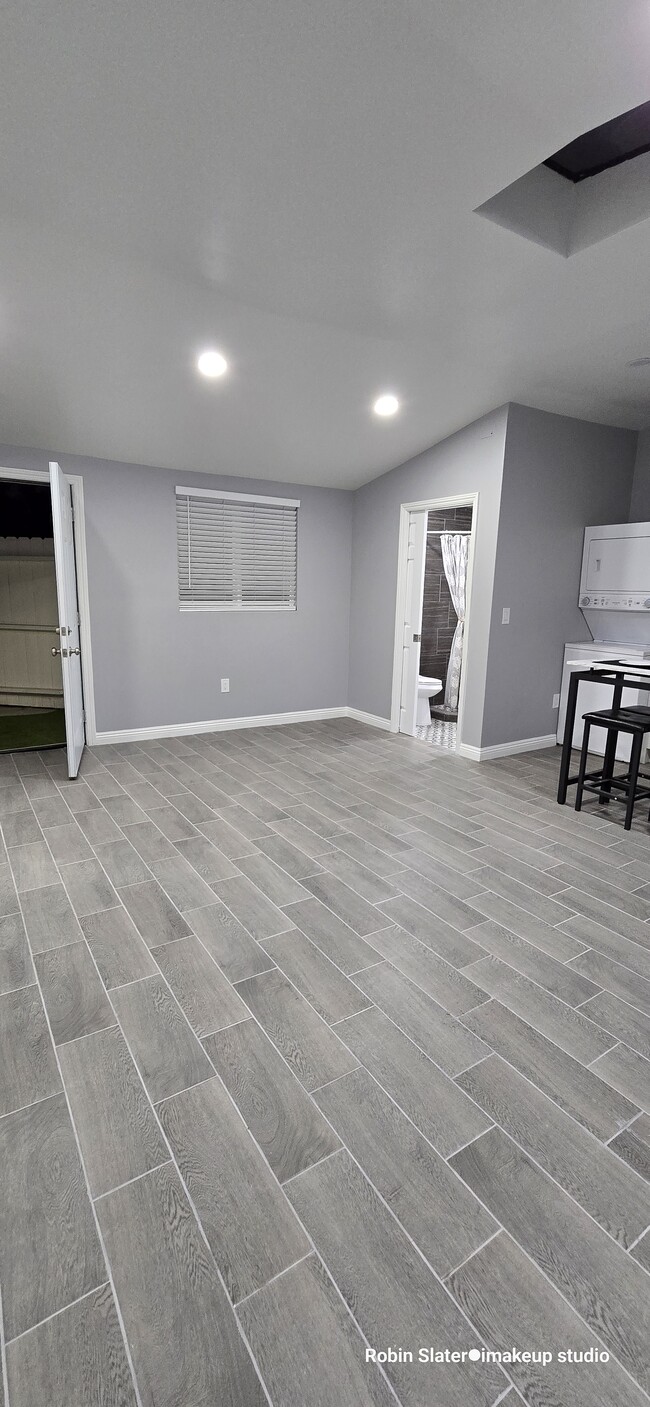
(24, 730)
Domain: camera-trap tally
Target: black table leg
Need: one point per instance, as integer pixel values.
(610, 751)
(565, 764)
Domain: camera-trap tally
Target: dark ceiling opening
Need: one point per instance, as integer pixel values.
(619, 140)
(25, 510)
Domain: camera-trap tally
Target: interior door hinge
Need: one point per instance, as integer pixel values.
(417, 639)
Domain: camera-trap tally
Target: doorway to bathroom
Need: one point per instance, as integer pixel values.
(432, 619)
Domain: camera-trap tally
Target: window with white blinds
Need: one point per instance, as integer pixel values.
(236, 551)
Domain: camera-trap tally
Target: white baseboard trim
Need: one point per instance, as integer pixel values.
(218, 725)
(372, 719)
(484, 754)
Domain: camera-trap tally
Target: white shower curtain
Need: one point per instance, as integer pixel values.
(455, 552)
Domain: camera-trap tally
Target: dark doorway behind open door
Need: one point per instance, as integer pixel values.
(66, 590)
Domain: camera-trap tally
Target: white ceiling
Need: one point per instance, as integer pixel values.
(294, 182)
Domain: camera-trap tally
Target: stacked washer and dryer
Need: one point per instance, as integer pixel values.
(615, 602)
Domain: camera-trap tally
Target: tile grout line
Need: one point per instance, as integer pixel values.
(327, 1083)
(480, 1061)
(57, 1313)
(382, 961)
(4, 1371)
(531, 1156)
(604, 902)
(119, 986)
(629, 1125)
(469, 1009)
(24, 986)
(333, 1024)
(579, 1005)
(411, 1039)
(319, 1161)
(609, 1050)
(640, 1238)
(567, 1005)
(500, 1231)
(569, 963)
(72, 1040)
(31, 1105)
(600, 1141)
(503, 1395)
(155, 1103)
(470, 1141)
(167, 1162)
(260, 1291)
(218, 1029)
(358, 970)
(622, 1002)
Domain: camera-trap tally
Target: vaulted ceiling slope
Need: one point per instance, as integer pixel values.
(295, 183)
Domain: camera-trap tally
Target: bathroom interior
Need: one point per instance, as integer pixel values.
(443, 615)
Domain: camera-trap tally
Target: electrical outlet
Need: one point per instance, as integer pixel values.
(225, 686)
(505, 615)
(556, 701)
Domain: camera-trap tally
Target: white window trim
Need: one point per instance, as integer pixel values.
(242, 497)
(231, 606)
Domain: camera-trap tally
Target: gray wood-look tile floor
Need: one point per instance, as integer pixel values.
(314, 1041)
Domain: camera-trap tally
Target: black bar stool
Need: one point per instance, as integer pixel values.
(635, 721)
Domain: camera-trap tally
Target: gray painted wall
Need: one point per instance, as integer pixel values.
(540, 478)
(559, 476)
(468, 462)
(154, 665)
(640, 500)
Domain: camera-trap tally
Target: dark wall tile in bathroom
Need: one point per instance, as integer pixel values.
(438, 615)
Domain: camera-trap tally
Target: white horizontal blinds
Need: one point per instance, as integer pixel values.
(236, 551)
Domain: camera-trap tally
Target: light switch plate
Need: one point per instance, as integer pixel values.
(505, 615)
(225, 686)
(556, 701)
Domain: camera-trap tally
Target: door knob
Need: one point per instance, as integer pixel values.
(55, 651)
(75, 652)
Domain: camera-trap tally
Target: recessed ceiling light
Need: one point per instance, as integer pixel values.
(386, 405)
(212, 363)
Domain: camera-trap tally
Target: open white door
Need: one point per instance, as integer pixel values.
(415, 563)
(66, 590)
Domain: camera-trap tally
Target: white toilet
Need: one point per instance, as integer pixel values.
(427, 689)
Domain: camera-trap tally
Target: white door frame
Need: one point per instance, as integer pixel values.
(461, 500)
(42, 476)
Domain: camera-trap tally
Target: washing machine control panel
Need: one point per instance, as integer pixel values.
(616, 601)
